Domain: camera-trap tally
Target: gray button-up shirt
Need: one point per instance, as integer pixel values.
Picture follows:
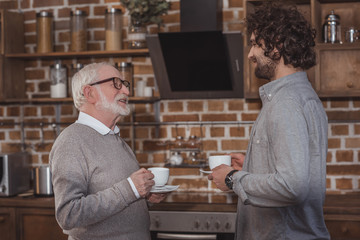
(282, 185)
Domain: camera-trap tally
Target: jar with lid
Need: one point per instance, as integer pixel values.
(178, 143)
(193, 142)
(126, 71)
(44, 32)
(58, 77)
(176, 159)
(332, 28)
(78, 31)
(137, 35)
(113, 29)
(74, 68)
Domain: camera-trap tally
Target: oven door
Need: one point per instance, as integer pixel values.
(191, 236)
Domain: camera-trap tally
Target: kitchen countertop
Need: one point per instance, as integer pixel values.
(199, 201)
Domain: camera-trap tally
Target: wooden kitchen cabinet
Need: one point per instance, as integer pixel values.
(7, 224)
(29, 219)
(40, 224)
(337, 73)
(12, 73)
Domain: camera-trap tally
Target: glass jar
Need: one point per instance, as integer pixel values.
(193, 142)
(113, 29)
(78, 31)
(126, 71)
(176, 159)
(44, 32)
(74, 68)
(137, 35)
(332, 28)
(178, 143)
(58, 77)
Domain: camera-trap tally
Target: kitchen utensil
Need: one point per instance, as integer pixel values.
(332, 28)
(42, 181)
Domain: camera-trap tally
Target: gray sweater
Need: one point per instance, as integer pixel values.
(282, 185)
(93, 199)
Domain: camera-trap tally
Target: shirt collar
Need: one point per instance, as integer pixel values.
(269, 90)
(98, 126)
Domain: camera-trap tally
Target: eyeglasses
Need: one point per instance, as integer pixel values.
(118, 83)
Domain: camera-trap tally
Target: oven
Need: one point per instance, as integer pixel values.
(171, 225)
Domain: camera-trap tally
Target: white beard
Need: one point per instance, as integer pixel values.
(113, 107)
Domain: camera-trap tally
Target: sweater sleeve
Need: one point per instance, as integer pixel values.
(75, 207)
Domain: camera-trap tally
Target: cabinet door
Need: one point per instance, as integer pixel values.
(7, 224)
(39, 224)
(343, 227)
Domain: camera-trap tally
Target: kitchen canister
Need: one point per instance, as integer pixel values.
(113, 29)
(78, 31)
(44, 32)
(42, 181)
(58, 77)
(126, 71)
(74, 68)
(332, 28)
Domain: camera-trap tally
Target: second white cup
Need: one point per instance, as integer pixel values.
(217, 160)
(161, 175)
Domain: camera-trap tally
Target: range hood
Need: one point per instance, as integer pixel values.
(201, 61)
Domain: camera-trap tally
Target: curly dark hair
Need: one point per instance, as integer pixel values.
(285, 29)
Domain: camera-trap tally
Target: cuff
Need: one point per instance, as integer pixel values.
(238, 188)
(133, 188)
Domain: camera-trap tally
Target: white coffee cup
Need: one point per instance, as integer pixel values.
(161, 175)
(217, 160)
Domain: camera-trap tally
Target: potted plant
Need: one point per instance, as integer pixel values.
(142, 13)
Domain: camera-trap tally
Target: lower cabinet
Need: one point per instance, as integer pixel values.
(7, 224)
(343, 227)
(29, 224)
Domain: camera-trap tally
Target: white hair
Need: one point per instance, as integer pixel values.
(87, 75)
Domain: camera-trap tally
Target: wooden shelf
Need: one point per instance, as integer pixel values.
(69, 100)
(86, 54)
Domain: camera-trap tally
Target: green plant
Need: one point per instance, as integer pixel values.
(146, 11)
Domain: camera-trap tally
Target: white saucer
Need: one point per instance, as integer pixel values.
(164, 189)
(207, 172)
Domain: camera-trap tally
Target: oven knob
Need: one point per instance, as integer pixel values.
(157, 222)
(197, 224)
(217, 224)
(207, 224)
(228, 225)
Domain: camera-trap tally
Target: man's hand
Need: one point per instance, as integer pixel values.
(142, 180)
(237, 160)
(156, 197)
(218, 176)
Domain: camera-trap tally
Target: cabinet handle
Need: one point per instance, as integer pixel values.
(350, 84)
(2, 219)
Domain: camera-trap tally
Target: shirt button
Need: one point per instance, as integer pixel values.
(269, 95)
(257, 141)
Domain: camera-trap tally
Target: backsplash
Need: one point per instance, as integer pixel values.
(34, 127)
(222, 126)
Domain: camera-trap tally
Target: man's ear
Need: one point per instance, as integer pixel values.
(89, 94)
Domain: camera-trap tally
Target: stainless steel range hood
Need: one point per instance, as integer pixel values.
(201, 62)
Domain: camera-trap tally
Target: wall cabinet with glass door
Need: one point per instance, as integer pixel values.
(337, 73)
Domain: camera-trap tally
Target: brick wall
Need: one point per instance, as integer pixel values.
(38, 132)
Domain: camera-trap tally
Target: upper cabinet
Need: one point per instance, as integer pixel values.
(11, 41)
(337, 73)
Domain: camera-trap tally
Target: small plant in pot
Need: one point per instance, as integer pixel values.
(142, 13)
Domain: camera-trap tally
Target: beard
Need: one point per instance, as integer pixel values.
(265, 69)
(113, 107)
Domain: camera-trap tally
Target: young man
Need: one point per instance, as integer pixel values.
(281, 182)
(100, 192)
